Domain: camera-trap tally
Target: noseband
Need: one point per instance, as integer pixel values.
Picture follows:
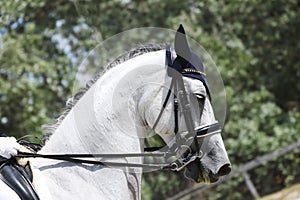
(186, 148)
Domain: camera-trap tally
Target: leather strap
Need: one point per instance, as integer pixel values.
(11, 175)
(164, 106)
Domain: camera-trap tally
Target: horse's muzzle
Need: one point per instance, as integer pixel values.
(194, 171)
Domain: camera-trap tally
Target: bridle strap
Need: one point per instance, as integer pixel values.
(208, 130)
(175, 111)
(185, 110)
(164, 105)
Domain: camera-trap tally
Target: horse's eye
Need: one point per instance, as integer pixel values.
(199, 96)
(201, 100)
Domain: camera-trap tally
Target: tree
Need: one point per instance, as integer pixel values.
(254, 43)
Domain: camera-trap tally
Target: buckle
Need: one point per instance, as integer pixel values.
(181, 163)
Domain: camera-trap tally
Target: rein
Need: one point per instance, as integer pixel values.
(201, 132)
(74, 158)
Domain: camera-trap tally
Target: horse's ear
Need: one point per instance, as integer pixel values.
(182, 48)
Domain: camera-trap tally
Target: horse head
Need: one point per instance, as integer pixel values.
(211, 160)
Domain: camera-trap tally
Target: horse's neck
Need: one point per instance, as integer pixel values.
(105, 120)
(94, 126)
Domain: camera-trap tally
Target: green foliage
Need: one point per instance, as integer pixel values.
(162, 184)
(254, 43)
(36, 71)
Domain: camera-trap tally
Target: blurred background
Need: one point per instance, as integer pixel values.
(254, 43)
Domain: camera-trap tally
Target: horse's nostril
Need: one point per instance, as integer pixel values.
(224, 170)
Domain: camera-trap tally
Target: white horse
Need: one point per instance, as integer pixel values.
(113, 116)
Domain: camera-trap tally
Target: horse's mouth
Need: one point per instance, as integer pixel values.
(200, 175)
(212, 178)
(207, 178)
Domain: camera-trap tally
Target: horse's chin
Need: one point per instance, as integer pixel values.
(202, 176)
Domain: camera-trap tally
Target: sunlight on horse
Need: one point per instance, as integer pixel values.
(114, 115)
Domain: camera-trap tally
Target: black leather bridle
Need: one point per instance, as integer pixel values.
(187, 144)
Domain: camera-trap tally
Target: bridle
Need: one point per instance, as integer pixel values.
(186, 148)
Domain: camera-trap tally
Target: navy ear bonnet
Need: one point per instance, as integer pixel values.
(187, 62)
(187, 68)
